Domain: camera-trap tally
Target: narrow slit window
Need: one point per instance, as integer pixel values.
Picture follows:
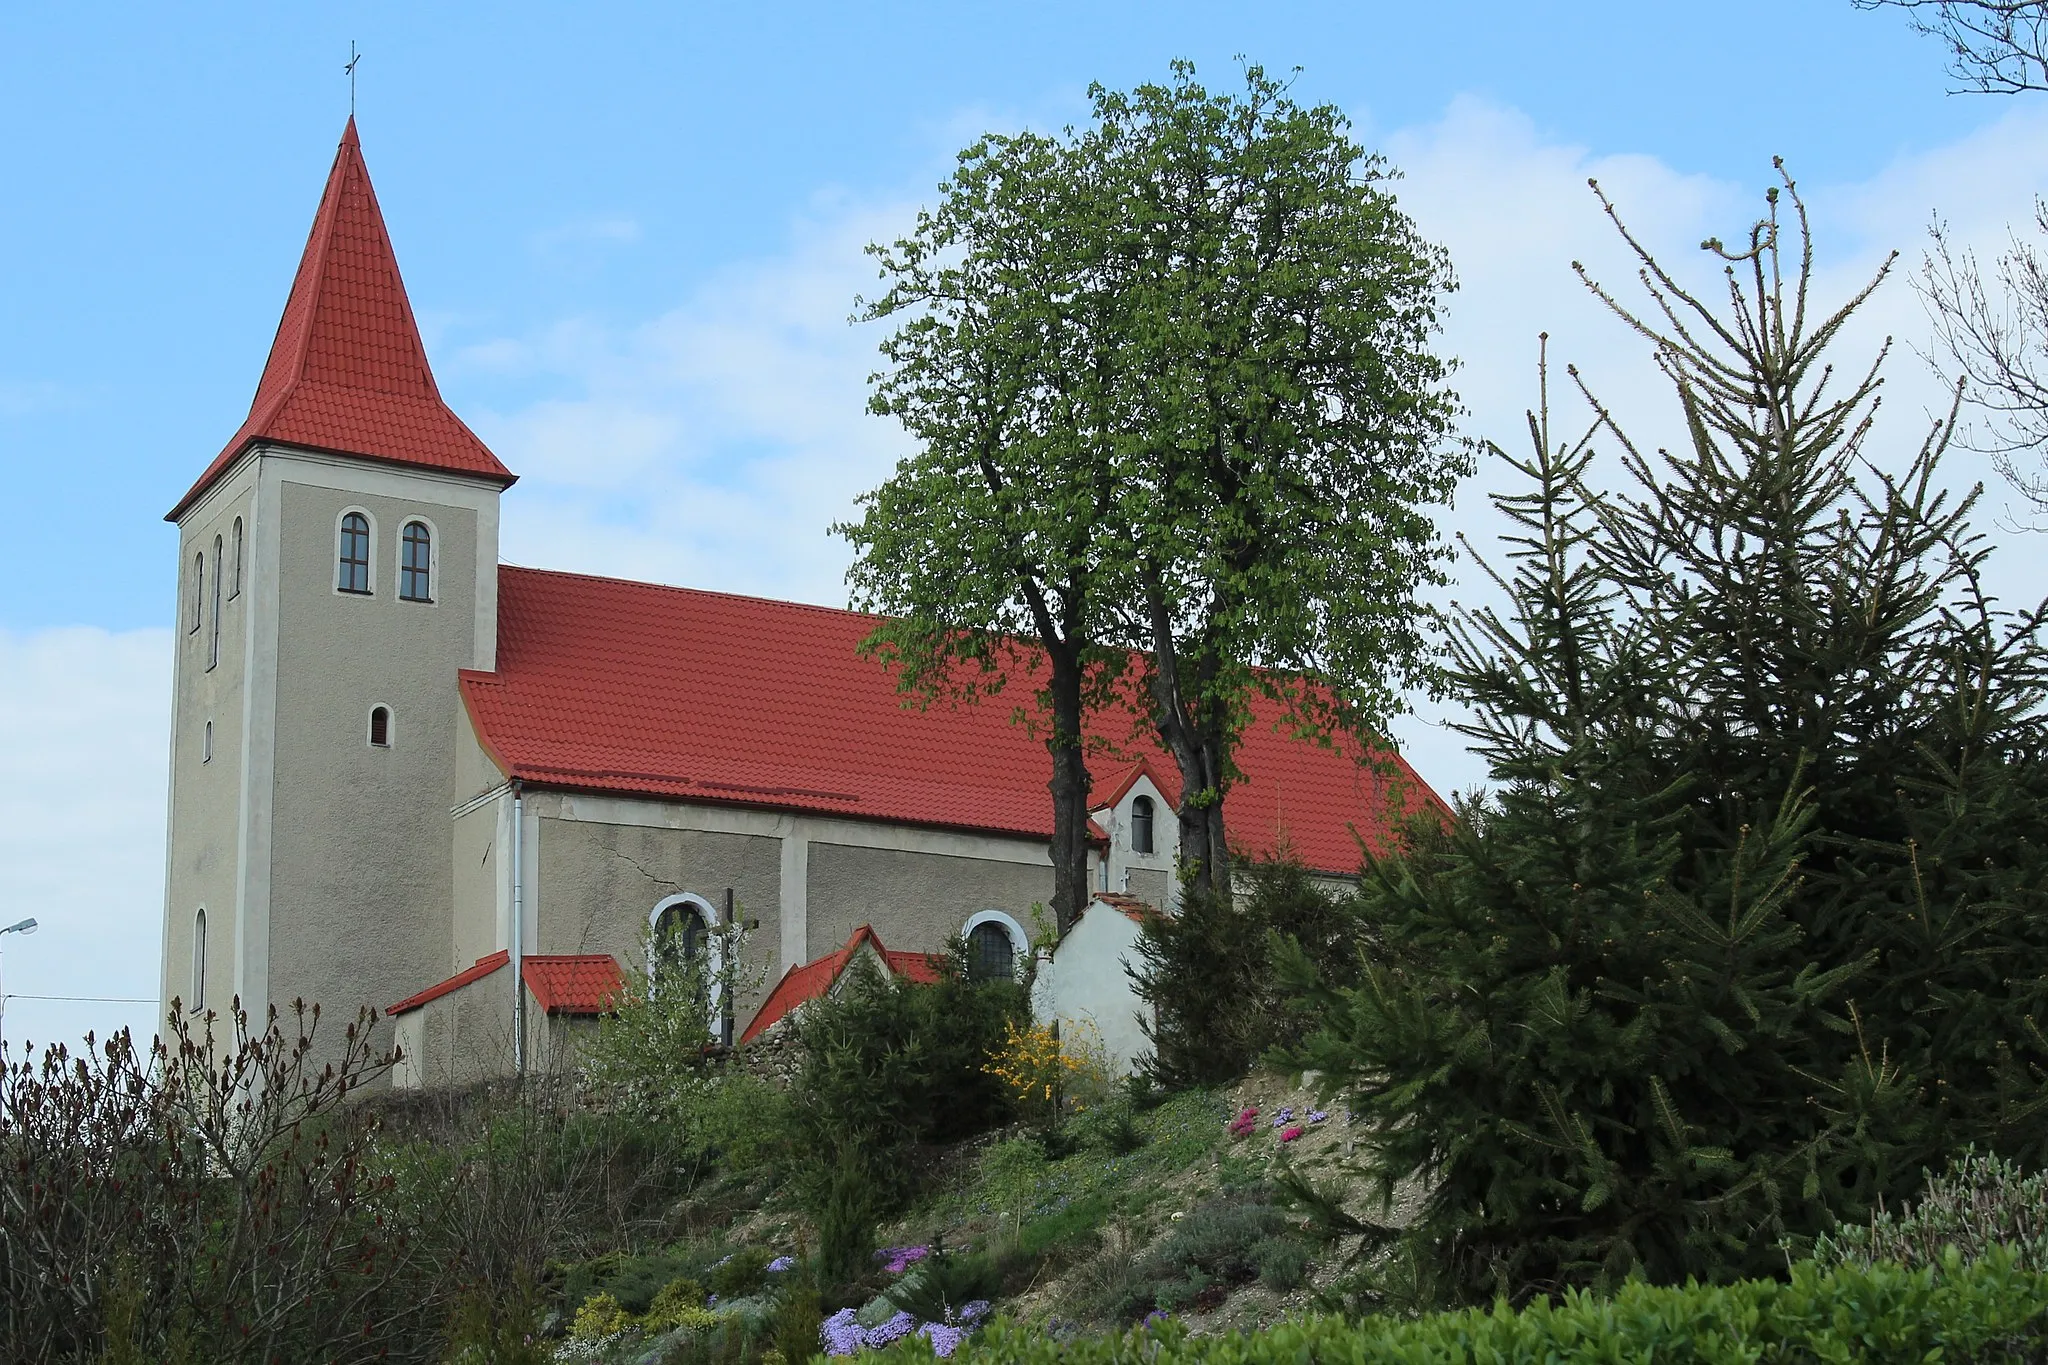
(235, 578)
(199, 961)
(380, 727)
(416, 563)
(206, 744)
(213, 639)
(198, 590)
(353, 574)
(1141, 825)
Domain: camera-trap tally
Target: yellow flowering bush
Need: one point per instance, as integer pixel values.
(1049, 1073)
(678, 1305)
(600, 1316)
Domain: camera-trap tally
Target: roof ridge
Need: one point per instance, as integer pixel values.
(694, 592)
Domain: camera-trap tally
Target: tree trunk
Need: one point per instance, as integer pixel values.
(1181, 713)
(1069, 791)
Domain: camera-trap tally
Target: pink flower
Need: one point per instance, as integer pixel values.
(1241, 1126)
(1291, 1134)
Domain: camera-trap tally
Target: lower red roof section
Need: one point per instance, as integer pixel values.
(605, 685)
(814, 979)
(582, 983)
(560, 983)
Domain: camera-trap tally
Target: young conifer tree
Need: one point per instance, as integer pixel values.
(1751, 929)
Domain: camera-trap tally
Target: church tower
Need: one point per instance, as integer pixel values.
(337, 566)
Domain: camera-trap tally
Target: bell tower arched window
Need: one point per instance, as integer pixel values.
(235, 577)
(380, 727)
(415, 565)
(198, 590)
(1141, 825)
(352, 559)
(199, 961)
(213, 636)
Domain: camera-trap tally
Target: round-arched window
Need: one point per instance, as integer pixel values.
(1141, 825)
(991, 956)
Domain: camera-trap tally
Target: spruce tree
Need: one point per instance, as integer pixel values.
(1751, 929)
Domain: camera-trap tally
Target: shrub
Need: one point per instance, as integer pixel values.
(677, 1304)
(1218, 1245)
(939, 1286)
(222, 1186)
(1207, 972)
(1282, 1263)
(741, 1273)
(1978, 1203)
(597, 1317)
(888, 1066)
(1878, 1315)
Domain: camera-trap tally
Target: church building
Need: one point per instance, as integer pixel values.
(408, 776)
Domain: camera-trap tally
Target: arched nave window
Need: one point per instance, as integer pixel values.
(1141, 825)
(994, 941)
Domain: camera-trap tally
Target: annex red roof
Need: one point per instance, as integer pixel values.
(814, 979)
(485, 965)
(348, 372)
(637, 689)
(578, 983)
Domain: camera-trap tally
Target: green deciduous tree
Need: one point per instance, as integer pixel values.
(1754, 926)
(1290, 431)
(1170, 380)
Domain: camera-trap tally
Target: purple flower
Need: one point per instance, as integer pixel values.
(781, 1263)
(895, 1329)
(896, 1260)
(1284, 1117)
(1157, 1315)
(944, 1339)
(841, 1335)
(973, 1311)
(1318, 1116)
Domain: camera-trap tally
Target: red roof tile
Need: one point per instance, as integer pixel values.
(638, 689)
(347, 371)
(814, 979)
(1129, 906)
(573, 983)
(485, 965)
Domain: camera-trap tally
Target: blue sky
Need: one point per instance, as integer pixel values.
(632, 234)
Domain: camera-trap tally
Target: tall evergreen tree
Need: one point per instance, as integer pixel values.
(1755, 925)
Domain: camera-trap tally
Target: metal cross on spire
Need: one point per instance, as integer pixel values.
(353, 57)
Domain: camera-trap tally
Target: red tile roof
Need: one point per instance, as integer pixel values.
(814, 979)
(633, 688)
(1130, 907)
(573, 983)
(348, 372)
(485, 965)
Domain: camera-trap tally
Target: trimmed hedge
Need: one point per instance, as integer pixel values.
(1983, 1312)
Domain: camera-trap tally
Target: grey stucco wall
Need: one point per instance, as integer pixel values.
(476, 870)
(206, 795)
(1151, 887)
(599, 882)
(361, 871)
(916, 901)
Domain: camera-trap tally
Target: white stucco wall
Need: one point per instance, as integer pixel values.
(1085, 981)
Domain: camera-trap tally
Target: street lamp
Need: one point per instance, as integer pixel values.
(27, 926)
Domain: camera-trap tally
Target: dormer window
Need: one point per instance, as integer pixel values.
(352, 571)
(1141, 825)
(416, 548)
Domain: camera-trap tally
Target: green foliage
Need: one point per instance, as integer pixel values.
(890, 1065)
(1978, 1203)
(1754, 924)
(1282, 1264)
(937, 1287)
(1219, 1245)
(741, 1273)
(798, 1318)
(1208, 972)
(1879, 1315)
(678, 1304)
(496, 1325)
(1176, 416)
(597, 1317)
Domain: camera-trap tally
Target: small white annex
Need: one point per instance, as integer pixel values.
(1085, 982)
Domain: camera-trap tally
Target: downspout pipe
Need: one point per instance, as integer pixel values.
(518, 935)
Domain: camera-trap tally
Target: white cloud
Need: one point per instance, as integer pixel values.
(82, 826)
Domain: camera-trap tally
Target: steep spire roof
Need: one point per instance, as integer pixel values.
(347, 372)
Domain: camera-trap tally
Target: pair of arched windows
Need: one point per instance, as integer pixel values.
(415, 558)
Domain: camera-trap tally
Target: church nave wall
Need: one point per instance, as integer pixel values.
(915, 900)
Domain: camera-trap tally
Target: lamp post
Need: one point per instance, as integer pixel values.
(27, 926)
